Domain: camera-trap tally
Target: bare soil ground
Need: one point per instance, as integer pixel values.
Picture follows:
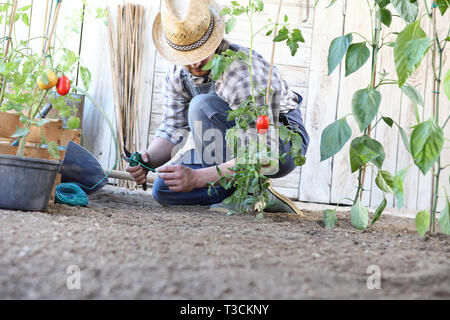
(128, 246)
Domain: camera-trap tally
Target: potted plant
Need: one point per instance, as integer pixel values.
(26, 80)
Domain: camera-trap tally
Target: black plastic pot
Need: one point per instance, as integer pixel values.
(26, 183)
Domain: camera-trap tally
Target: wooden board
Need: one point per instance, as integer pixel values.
(344, 183)
(52, 131)
(322, 94)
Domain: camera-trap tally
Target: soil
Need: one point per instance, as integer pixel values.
(128, 246)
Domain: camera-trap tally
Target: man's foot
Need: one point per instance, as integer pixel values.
(280, 203)
(277, 203)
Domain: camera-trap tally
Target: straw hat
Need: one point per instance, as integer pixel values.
(188, 31)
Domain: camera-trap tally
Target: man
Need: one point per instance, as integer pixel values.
(188, 34)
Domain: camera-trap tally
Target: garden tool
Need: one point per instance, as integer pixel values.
(135, 159)
(81, 167)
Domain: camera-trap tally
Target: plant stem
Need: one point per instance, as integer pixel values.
(359, 189)
(436, 95)
(376, 26)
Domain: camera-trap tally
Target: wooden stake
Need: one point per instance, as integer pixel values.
(44, 35)
(52, 29)
(11, 27)
(273, 54)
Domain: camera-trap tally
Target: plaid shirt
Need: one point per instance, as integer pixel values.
(233, 87)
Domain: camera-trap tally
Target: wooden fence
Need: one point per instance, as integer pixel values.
(326, 98)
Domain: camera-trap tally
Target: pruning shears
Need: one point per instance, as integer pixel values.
(135, 159)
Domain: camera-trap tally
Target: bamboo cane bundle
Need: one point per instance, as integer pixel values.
(126, 40)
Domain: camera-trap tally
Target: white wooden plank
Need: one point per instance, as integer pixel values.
(444, 106)
(343, 182)
(390, 107)
(96, 133)
(315, 181)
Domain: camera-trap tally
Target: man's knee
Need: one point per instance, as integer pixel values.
(205, 106)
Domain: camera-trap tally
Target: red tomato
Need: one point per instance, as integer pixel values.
(63, 86)
(262, 124)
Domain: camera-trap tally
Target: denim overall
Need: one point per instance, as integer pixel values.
(207, 108)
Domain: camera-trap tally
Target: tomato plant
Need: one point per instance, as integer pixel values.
(410, 47)
(248, 180)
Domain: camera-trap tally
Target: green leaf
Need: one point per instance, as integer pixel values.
(297, 35)
(18, 107)
(238, 11)
(284, 133)
(73, 123)
(412, 93)
(399, 191)
(385, 181)
(225, 11)
(21, 132)
(300, 160)
(286, 18)
(365, 105)
(293, 46)
(386, 17)
(363, 150)
(379, 211)
(25, 8)
(415, 50)
(333, 138)
(422, 222)
(427, 140)
(26, 19)
(359, 216)
(86, 77)
(404, 138)
(53, 150)
(338, 48)
(388, 121)
(404, 70)
(282, 35)
(442, 5)
(406, 9)
(382, 3)
(357, 56)
(219, 65)
(241, 55)
(329, 218)
(446, 84)
(229, 25)
(444, 218)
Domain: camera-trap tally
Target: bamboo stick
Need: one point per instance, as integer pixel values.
(123, 175)
(273, 54)
(53, 27)
(45, 26)
(126, 51)
(11, 27)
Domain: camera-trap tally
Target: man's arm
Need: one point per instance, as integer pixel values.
(180, 178)
(158, 153)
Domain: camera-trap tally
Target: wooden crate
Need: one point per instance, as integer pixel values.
(53, 131)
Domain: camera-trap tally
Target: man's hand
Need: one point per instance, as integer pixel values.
(178, 177)
(139, 173)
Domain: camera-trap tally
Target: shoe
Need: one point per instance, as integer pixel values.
(223, 207)
(277, 203)
(281, 203)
